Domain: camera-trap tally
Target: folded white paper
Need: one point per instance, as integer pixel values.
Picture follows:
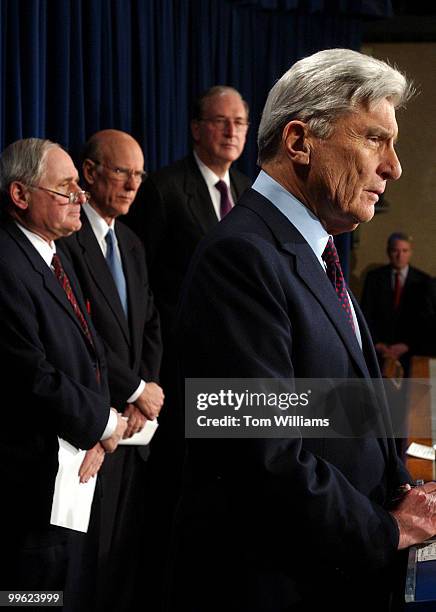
(421, 451)
(428, 553)
(143, 437)
(72, 500)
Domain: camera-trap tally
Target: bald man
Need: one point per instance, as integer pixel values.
(109, 261)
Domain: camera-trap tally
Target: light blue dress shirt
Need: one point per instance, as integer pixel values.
(303, 219)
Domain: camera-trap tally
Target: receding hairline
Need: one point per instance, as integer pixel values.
(97, 144)
(215, 92)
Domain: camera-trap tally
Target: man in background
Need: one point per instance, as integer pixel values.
(109, 261)
(392, 300)
(179, 204)
(53, 372)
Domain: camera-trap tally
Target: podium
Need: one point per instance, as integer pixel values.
(420, 587)
(422, 417)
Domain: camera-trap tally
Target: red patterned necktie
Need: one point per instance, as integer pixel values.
(226, 204)
(334, 272)
(398, 289)
(66, 286)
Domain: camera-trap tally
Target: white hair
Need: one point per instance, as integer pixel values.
(320, 88)
(24, 160)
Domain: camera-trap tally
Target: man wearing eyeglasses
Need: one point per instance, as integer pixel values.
(176, 208)
(179, 204)
(109, 261)
(54, 386)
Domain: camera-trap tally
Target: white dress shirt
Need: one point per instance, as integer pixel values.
(211, 180)
(402, 274)
(100, 229)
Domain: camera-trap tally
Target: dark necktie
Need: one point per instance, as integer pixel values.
(226, 204)
(334, 272)
(398, 288)
(114, 263)
(66, 286)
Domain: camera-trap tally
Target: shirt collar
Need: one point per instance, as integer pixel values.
(44, 248)
(209, 176)
(299, 215)
(98, 224)
(403, 272)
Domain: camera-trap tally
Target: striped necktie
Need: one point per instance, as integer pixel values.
(334, 272)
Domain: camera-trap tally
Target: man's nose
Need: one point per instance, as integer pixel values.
(230, 128)
(391, 168)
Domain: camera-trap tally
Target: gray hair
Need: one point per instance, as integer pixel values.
(24, 161)
(216, 90)
(393, 238)
(320, 88)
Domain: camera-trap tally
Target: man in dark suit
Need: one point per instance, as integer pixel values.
(53, 372)
(179, 204)
(392, 300)
(304, 522)
(127, 321)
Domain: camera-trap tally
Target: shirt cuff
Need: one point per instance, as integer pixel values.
(111, 424)
(132, 399)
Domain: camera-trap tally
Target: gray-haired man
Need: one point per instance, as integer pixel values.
(299, 523)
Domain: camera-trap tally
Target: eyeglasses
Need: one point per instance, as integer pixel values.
(73, 197)
(222, 123)
(123, 174)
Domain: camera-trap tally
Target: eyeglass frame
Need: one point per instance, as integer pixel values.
(221, 123)
(72, 196)
(128, 172)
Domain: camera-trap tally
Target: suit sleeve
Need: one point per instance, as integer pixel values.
(236, 322)
(74, 411)
(151, 342)
(148, 219)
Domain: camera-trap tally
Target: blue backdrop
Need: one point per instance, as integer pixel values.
(72, 67)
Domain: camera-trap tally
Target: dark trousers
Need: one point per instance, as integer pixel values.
(122, 576)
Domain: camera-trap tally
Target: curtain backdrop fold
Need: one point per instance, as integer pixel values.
(72, 67)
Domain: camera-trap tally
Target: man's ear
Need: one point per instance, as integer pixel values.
(296, 142)
(89, 168)
(195, 130)
(19, 195)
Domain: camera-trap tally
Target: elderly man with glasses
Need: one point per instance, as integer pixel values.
(176, 208)
(54, 387)
(179, 204)
(109, 261)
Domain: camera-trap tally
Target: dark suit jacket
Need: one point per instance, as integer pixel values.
(278, 524)
(49, 383)
(427, 321)
(133, 347)
(133, 351)
(386, 324)
(171, 214)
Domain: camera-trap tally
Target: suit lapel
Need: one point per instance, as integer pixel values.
(237, 184)
(50, 282)
(100, 273)
(129, 259)
(310, 272)
(198, 197)
(367, 343)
